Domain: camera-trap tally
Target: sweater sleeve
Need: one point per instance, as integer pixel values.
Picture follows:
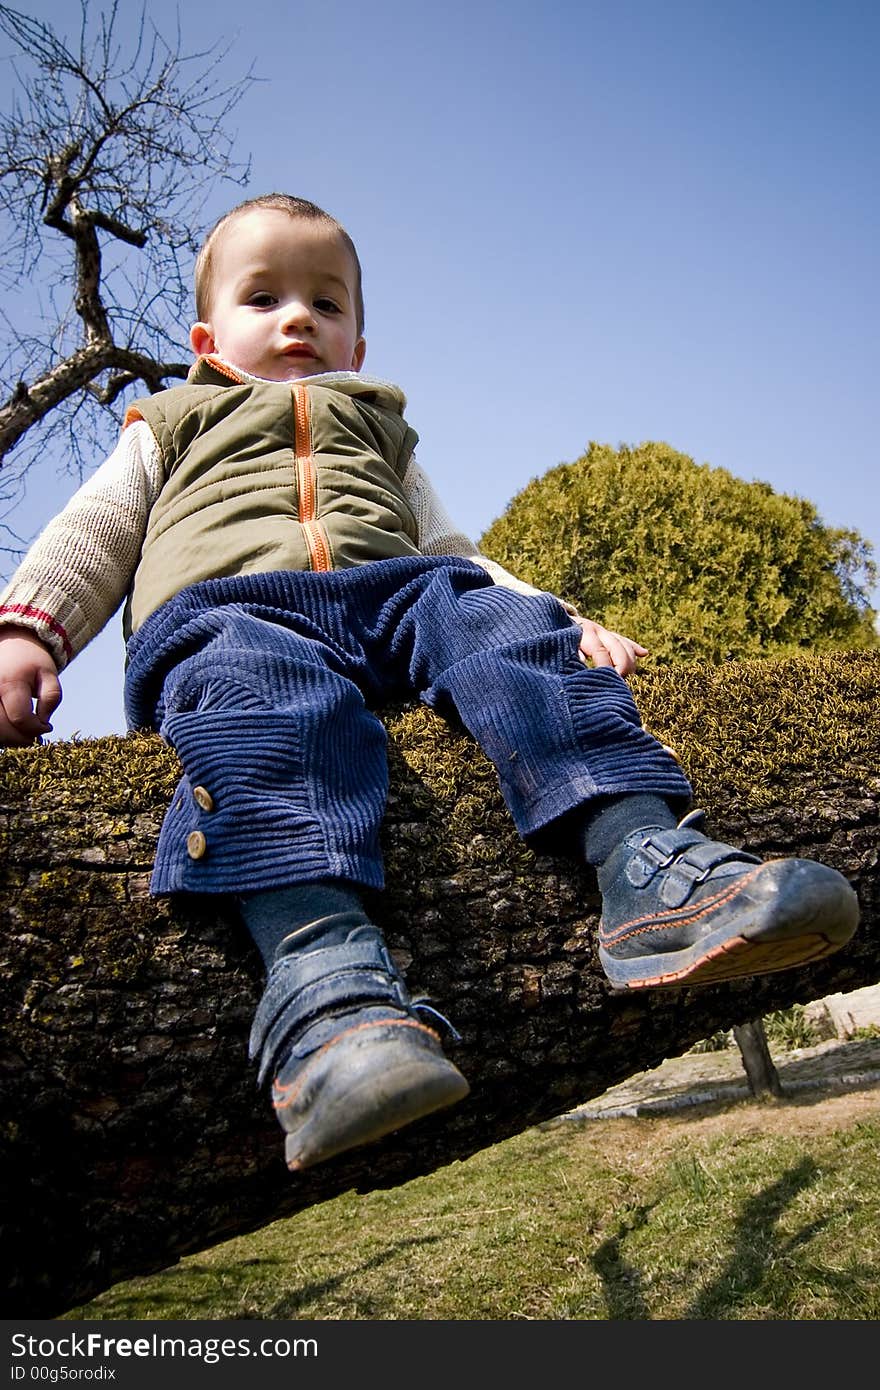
(79, 568)
(437, 534)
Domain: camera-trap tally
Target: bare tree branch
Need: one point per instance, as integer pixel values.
(105, 164)
(78, 373)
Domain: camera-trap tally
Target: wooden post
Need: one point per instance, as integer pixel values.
(763, 1078)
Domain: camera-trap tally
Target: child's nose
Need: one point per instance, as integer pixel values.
(298, 316)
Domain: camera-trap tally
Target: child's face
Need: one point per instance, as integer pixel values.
(282, 300)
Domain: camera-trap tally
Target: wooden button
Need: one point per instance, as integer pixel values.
(196, 844)
(203, 798)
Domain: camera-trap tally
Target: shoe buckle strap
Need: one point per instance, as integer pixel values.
(298, 971)
(651, 856)
(681, 879)
(422, 1006)
(694, 866)
(295, 995)
(288, 1026)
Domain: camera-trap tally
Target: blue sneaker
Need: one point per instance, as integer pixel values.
(350, 1056)
(681, 909)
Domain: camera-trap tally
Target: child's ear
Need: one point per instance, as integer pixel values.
(357, 357)
(202, 339)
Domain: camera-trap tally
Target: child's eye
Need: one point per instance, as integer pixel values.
(262, 300)
(327, 306)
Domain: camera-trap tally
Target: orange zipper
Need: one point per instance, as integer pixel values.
(307, 482)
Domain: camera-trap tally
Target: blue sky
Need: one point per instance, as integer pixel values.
(621, 220)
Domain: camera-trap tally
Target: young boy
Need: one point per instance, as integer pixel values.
(288, 568)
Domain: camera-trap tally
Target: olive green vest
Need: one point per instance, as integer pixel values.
(267, 476)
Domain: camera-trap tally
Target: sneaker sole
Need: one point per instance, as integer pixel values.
(366, 1084)
(801, 912)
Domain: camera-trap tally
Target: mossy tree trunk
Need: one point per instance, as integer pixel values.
(132, 1130)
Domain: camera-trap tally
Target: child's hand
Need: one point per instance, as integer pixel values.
(604, 648)
(27, 674)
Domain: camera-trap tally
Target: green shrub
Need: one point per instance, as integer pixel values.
(790, 1028)
(690, 560)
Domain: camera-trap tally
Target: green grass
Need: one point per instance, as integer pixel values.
(627, 1219)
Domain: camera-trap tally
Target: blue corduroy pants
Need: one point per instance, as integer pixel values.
(265, 686)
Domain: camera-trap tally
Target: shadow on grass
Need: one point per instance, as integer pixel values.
(227, 1290)
(756, 1244)
(622, 1282)
(288, 1306)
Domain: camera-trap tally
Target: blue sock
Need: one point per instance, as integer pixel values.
(276, 916)
(600, 825)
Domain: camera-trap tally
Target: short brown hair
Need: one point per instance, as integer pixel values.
(294, 207)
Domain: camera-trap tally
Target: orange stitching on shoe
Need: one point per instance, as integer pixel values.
(684, 917)
(294, 1087)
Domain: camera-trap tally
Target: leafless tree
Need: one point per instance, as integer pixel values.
(108, 152)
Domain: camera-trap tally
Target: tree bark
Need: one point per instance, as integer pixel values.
(132, 1129)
